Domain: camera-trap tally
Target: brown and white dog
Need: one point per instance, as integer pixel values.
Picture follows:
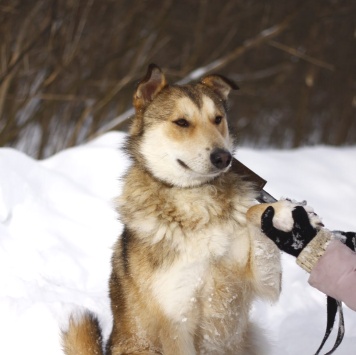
(192, 258)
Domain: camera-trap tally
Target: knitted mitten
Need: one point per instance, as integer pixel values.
(294, 241)
(310, 255)
(313, 251)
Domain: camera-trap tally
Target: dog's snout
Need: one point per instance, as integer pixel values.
(220, 158)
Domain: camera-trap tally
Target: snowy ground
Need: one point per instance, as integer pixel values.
(57, 226)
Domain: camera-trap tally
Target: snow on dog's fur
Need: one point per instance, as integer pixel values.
(192, 258)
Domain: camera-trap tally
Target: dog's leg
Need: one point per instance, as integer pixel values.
(177, 340)
(119, 351)
(255, 342)
(142, 353)
(265, 257)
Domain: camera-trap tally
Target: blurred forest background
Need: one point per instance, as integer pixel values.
(68, 68)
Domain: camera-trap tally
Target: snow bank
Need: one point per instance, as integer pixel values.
(57, 226)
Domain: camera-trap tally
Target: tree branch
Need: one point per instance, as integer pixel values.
(217, 64)
(302, 55)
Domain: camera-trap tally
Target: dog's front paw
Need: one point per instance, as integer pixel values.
(283, 218)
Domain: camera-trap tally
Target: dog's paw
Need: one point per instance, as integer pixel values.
(283, 218)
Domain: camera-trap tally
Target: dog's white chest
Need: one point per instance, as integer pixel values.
(176, 288)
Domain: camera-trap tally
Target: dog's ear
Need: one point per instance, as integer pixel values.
(149, 87)
(220, 85)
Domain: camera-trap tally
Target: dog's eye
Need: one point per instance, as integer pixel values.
(218, 119)
(181, 122)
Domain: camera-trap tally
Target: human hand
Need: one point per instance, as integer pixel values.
(305, 226)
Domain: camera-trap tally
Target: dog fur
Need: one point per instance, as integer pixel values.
(192, 258)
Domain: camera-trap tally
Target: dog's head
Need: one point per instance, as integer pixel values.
(180, 133)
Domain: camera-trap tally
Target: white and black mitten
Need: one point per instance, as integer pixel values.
(294, 241)
(316, 248)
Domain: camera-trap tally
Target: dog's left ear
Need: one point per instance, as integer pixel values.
(149, 87)
(220, 85)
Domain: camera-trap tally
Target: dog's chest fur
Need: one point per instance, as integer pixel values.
(190, 245)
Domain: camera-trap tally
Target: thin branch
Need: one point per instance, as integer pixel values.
(261, 74)
(73, 45)
(301, 55)
(248, 44)
(18, 56)
(62, 97)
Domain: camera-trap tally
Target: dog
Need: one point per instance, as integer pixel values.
(192, 257)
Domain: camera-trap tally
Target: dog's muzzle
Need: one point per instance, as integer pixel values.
(220, 158)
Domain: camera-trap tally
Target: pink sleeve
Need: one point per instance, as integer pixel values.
(335, 273)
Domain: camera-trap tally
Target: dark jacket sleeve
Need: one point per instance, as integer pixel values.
(335, 273)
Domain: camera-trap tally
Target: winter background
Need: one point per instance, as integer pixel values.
(57, 227)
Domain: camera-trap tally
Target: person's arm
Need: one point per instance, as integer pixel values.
(332, 267)
(330, 262)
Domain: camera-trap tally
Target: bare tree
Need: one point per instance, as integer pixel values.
(68, 68)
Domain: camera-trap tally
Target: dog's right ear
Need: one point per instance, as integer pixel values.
(220, 85)
(149, 87)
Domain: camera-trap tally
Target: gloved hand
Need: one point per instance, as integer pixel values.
(305, 230)
(309, 257)
(294, 241)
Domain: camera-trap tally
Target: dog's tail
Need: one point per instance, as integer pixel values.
(83, 336)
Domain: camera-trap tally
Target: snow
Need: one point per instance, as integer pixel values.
(57, 227)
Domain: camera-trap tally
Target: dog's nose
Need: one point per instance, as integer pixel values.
(220, 158)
